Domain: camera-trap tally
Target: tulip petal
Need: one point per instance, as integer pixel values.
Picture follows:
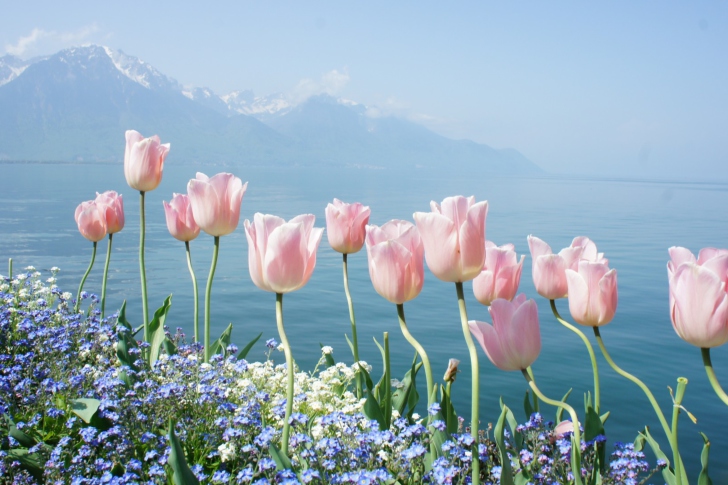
(387, 268)
(442, 250)
(700, 312)
(284, 265)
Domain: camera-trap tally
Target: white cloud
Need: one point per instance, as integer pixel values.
(331, 83)
(40, 41)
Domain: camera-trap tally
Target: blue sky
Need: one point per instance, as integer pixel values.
(621, 88)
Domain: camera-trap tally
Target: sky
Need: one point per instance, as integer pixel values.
(621, 89)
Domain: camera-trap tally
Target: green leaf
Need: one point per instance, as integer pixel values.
(500, 427)
(406, 397)
(527, 407)
(121, 319)
(85, 408)
(156, 330)
(34, 463)
(169, 347)
(181, 473)
(605, 416)
(646, 437)
(351, 345)
(513, 424)
(330, 362)
(594, 427)
(220, 345)
(448, 411)
(244, 353)
(703, 478)
(371, 408)
(282, 461)
(559, 410)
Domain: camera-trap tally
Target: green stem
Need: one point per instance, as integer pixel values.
(194, 289)
(589, 348)
(208, 292)
(679, 394)
(355, 341)
(142, 271)
(475, 382)
(106, 274)
(627, 375)
(289, 369)
(10, 269)
(420, 350)
(712, 377)
(83, 280)
(576, 437)
(387, 379)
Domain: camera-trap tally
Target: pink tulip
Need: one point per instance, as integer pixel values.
(396, 265)
(454, 237)
(180, 221)
(346, 226)
(113, 206)
(698, 297)
(592, 293)
(216, 202)
(549, 269)
(513, 342)
(500, 276)
(282, 255)
(143, 161)
(91, 220)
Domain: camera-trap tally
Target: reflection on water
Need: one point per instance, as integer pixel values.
(632, 222)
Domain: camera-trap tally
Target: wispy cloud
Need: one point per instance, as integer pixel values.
(41, 41)
(331, 83)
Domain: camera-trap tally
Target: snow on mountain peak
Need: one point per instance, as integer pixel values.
(140, 72)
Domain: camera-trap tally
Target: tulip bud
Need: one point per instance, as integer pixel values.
(346, 226)
(452, 370)
(144, 161)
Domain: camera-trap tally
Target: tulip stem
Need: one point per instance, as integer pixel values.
(645, 389)
(106, 274)
(289, 369)
(194, 289)
(712, 377)
(83, 280)
(576, 437)
(421, 351)
(355, 342)
(475, 382)
(10, 269)
(142, 271)
(208, 292)
(677, 405)
(589, 348)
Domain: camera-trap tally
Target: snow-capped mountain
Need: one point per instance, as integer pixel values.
(77, 104)
(11, 67)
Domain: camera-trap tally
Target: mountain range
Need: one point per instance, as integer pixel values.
(76, 105)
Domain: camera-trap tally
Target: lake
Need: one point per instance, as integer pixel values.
(632, 221)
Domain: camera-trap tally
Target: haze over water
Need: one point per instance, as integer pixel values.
(632, 222)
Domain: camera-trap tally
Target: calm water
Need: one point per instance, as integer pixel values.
(632, 222)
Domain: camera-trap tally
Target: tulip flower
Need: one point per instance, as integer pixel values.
(396, 268)
(549, 269)
(112, 205)
(346, 226)
(182, 226)
(144, 161)
(216, 202)
(513, 342)
(180, 221)
(397, 271)
(454, 237)
(91, 221)
(281, 258)
(592, 293)
(500, 276)
(698, 296)
(346, 230)
(143, 164)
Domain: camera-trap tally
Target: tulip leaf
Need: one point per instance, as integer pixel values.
(351, 345)
(220, 345)
(330, 362)
(244, 353)
(85, 408)
(603, 418)
(156, 330)
(646, 437)
(512, 423)
(406, 396)
(560, 410)
(33, 463)
(500, 427)
(181, 473)
(372, 409)
(125, 343)
(448, 411)
(169, 347)
(703, 478)
(527, 407)
(282, 461)
(594, 427)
